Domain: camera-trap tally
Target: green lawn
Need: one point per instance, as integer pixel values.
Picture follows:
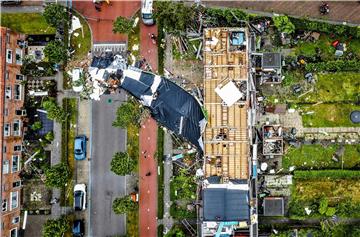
(328, 115)
(319, 157)
(27, 23)
(83, 39)
(308, 49)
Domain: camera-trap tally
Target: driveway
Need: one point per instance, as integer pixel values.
(105, 185)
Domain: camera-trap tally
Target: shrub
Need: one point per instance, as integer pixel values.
(56, 227)
(123, 25)
(226, 16)
(122, 164)
(36, 126)
(326, 174)
(283, 24)
(49, 136)
(123, 205)
(57, 175)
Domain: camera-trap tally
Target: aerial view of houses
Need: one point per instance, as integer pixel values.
(148, 118)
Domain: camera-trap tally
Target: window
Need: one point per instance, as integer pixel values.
(14, 200)
(8, 92)
(17, 92)
(15, 220)
(17, 127)
(7, 38)
(13, 232)
(20, 112)
(17, 184)
(19, 77)
(6, 112)
(5, 166)
(15, 164)
(17, 148)
(7, 75)
(6, 129)
(4, 149)
(9, 56)
(4, 205)
(18, 56)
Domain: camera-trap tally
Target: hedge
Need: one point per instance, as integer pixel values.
(327, 174)
(333, 66)
(306, 24)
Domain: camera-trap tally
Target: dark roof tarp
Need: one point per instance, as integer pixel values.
(172, 106)
(223, 204)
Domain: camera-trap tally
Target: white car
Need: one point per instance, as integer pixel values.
(80, 197)
(76, 75)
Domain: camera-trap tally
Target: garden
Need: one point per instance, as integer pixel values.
(317, 156)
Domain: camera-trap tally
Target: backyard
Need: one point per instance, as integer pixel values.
(80, 39)
(27, 23)
(320, 157)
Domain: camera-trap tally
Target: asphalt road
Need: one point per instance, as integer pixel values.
(105, 186)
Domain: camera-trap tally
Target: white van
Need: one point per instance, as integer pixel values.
(146, 12)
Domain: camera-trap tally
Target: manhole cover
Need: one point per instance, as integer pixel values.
(355, 116)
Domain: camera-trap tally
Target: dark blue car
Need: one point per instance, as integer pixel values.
(80, 147)
(78, 228)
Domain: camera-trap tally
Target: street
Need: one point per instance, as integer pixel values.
(104, 185)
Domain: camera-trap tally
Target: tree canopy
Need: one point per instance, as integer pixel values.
(123, 205)
(122, 164)
(175, 17)
(55, 51)
(128, 113)
(283, 24)
(54, 111)
(57, 175)
(55, 15)
(175, 231)
(56, 227)
(123, 25)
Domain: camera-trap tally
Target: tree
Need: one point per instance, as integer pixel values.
(36, 126)
(122, 164)
(283, 24)
(54, 112)
(123, 205)
(128, 113)
(49, 136)
(56, 227)
(57, 175)
(123, 25)
(175, 17)
(55, 51)
(55, 15)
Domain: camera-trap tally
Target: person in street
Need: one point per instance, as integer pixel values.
(148, 173)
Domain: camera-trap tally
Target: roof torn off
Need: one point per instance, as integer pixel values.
(169, 104)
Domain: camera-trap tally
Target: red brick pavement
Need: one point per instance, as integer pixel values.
(101, 23)
(148, 144)
(148, 184)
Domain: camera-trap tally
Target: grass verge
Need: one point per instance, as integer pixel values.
(160, 231)
(27, 23)
(134, 41)
(161, 47)
(160, 159)
(83, 39)
(319, 157)
(132, 223)
(68, 133)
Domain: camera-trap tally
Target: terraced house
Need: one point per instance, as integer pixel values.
(11, 122)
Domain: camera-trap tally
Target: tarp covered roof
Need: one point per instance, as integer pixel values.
(169, 104)
(224, 202)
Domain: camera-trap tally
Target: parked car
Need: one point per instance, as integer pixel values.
(146, 12)
(78, 228)
(80, 197)
(8, 2)
(80, 147)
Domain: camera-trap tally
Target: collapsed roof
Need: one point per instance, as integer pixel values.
(169, 104)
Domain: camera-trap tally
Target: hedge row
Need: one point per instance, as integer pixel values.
(327, 174)
(305, 24)
(332, 66)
